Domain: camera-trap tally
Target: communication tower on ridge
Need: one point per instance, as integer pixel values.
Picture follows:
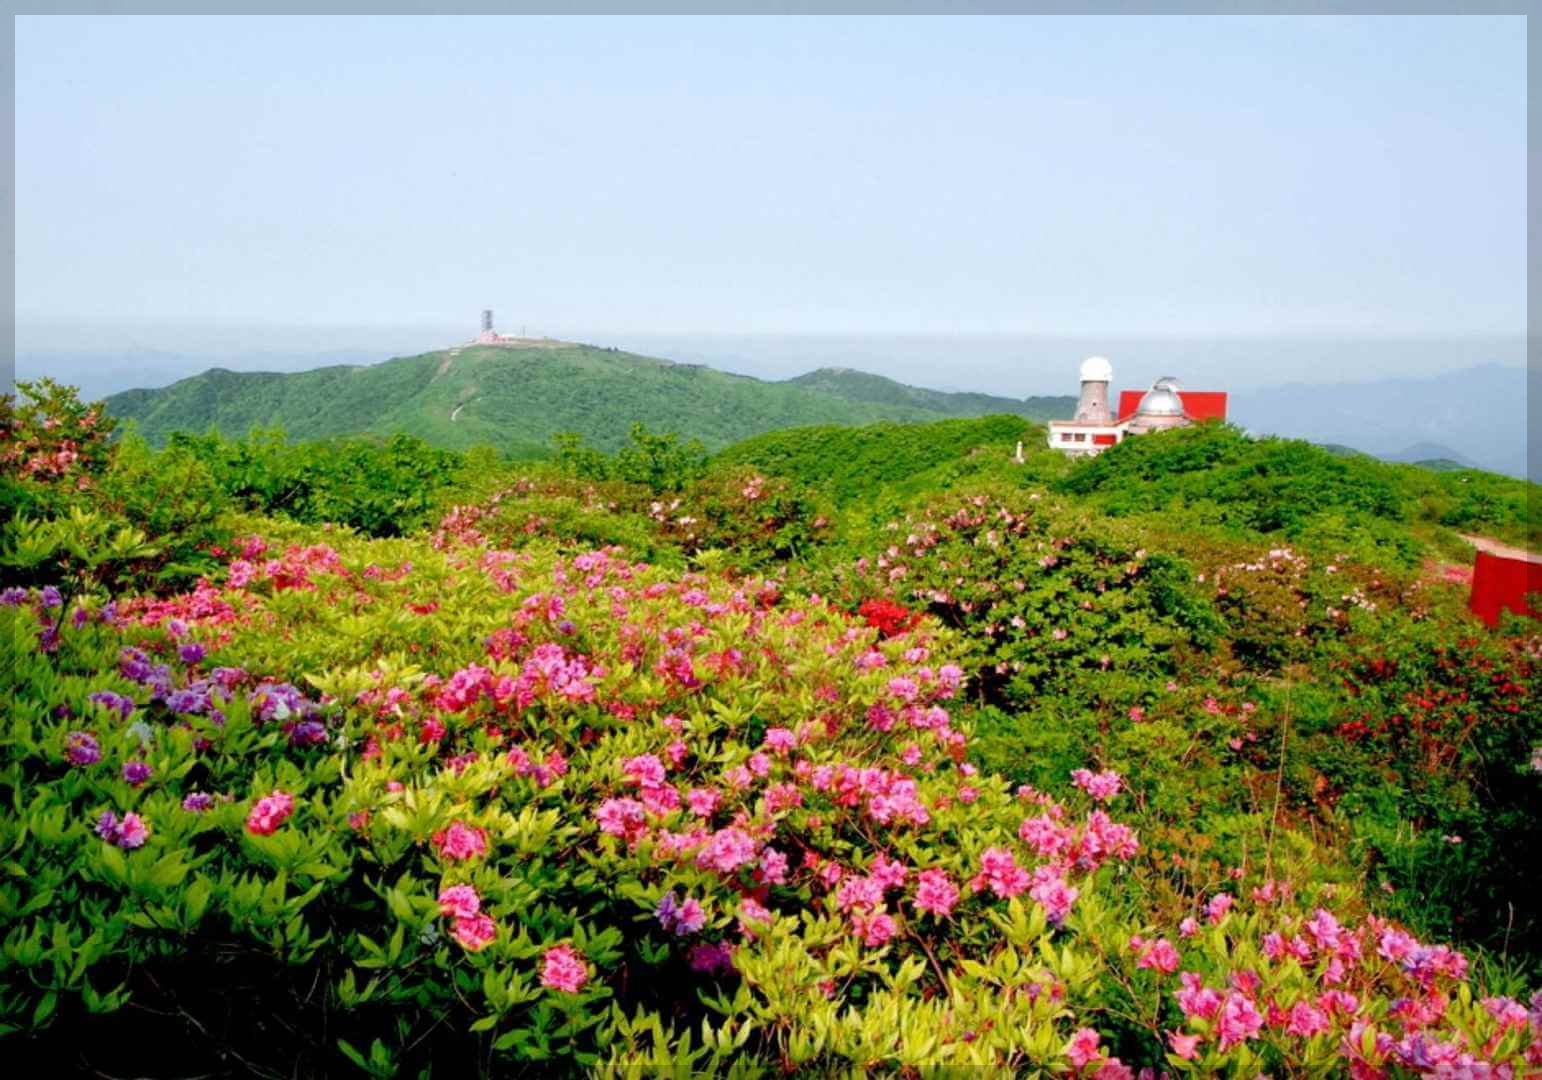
(487, 336)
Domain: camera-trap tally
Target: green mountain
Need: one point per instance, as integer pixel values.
(516, 398)
(877, 390)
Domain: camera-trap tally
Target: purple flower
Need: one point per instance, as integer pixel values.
(198, 802)
(190, 699)
(135, 665)
(308, 733)
(110, 612)
(117, 702)
(281, 701)
(107, 826)
(81, 748)
(227, 677)
(136, 772)
(51, 597)
(176, 627)
(191, 653)
(682, 918)
(12, 597)
(79, 617)
(48, 637)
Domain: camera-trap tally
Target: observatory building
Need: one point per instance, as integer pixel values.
(1096, 426)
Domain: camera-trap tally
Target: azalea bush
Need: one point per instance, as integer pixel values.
(382, 487)
(1046, 599)
(507, 806)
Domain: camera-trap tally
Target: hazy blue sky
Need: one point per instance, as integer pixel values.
(1140, 176)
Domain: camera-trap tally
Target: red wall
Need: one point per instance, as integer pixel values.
(1500, 584)
(1199, 404)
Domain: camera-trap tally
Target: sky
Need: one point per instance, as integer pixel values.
(291, 183)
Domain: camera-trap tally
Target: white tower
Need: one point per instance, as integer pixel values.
(1093, 406)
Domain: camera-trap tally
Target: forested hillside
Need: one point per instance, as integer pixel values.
(516, 399)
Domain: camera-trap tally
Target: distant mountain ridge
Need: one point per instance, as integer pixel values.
(1476, 415)
(876, 389)
(517, 398)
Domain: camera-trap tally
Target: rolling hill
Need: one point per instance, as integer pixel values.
(876, 390)
(517, 398)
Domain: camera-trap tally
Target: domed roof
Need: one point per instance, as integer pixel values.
(1162, 399)
(1096, 369)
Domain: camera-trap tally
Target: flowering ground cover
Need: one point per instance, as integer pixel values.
(494, 798)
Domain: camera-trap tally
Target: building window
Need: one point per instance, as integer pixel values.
(1081, 436)
(1065, 436)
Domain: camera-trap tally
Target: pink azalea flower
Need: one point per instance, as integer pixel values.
(644, 769)
(1056, 897)
(269, 813)
(459, 901)
(703, 801)
(935, 893)
(563, 970)
(875, 930)
(460, 841)
(133, 831)
(474, 932)
(1101, 786)
(1239, 1020)
(1218, 906)
(1185, 1046)
(623, 818)
(779, 740)
(1000, 873)
(1083, 1048)
(1159, 955)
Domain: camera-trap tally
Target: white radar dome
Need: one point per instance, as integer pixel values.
(1096, 369)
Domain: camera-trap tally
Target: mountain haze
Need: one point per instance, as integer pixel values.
(516, 398)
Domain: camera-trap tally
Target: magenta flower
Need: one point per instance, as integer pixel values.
(874, 930)
(563, 970)
(711, 958)
(680, 919)
(779, 740)
(474, 932)
(1101, 786)
(727, 850)
(136, 772)
(459, 901)
(1239, 1021)
(269, 813)
(1218, 906)
(1083, 1048)
(1056, 897)
(460, 841)
(133, 831)
(644, 769)
(1000, 873)
(935, 893)
(129, 833)
(1185, 1046)
(623, 818)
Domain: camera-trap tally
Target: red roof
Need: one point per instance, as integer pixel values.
(1197, 404)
